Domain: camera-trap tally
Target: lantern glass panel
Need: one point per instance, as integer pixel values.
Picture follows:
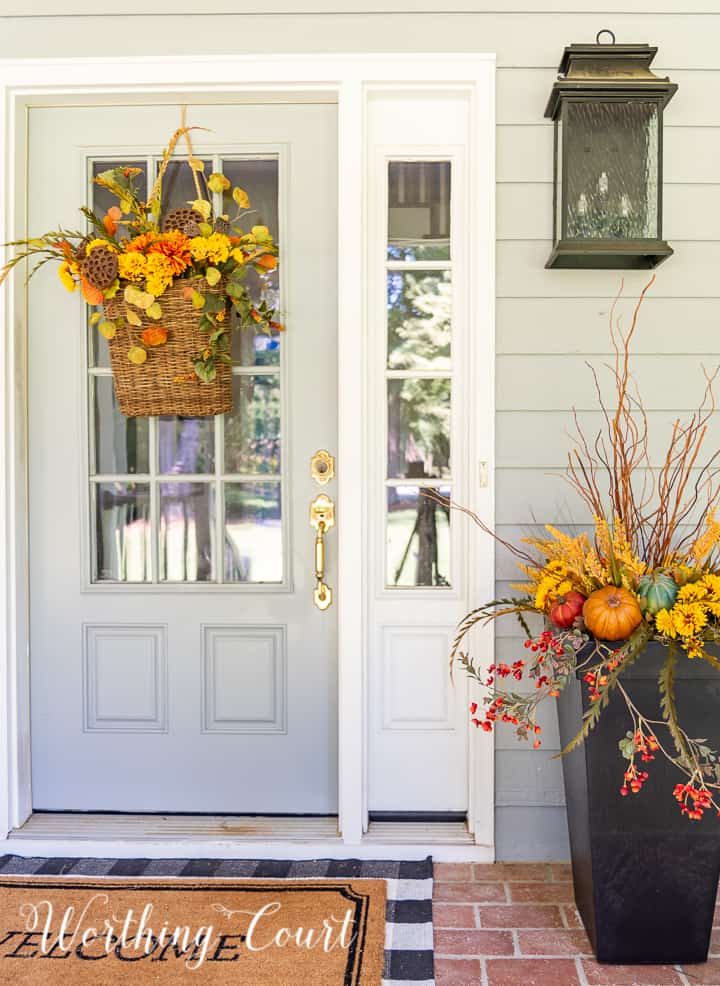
(611, 153)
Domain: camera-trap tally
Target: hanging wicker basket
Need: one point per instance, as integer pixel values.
(161, 386)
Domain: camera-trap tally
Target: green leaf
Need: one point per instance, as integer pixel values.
(212, 276)
(133, 317)
(217, 182)
(205, 229)
(154, 310)
(235, 290)
(205, 370)
(95, 318)
(198, 300)
(214, 303)
(196, 164)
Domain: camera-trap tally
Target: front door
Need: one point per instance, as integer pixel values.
(178, 661)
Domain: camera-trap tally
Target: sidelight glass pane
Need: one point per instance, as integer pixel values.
(419, 307)
(121, 444)
(418, 210)
(611, 170)
(252, 429)
(253, 549)
(186, 445)
(122, 532)
(186, 538)
(178, 187)
(417, 537)
(418, 428)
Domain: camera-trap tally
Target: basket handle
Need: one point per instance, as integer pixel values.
(182, 131)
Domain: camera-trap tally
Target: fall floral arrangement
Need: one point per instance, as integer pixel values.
(134, 260)
(649, 572)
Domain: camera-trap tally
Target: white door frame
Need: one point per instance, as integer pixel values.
(347, 80)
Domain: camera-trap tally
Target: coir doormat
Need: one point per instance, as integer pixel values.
(72, 931)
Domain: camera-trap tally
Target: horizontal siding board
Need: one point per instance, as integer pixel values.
(580, 325)
(520, 38)
(517, 436)
(690, 154)
(556, 382)
(691, 273)
(690, 212)
(524, 776)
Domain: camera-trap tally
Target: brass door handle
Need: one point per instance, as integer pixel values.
(322, 519)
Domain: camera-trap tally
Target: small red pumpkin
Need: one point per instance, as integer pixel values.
(565, 610)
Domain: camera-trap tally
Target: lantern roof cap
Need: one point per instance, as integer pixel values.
(613, 60)
(601, 70)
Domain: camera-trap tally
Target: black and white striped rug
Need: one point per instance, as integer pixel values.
(408, 928)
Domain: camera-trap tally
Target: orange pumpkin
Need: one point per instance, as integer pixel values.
(611, 613)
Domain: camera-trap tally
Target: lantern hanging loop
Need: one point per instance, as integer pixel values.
(604, 30)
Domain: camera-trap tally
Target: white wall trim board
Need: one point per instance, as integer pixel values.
(350, 81)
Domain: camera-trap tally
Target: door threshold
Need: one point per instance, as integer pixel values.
(107, 827)
(73, 834)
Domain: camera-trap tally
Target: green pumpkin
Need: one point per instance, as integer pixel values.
(657, 592)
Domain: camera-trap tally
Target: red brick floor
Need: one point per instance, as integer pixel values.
(515, 924)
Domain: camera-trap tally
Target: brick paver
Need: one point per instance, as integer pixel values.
(515, 924)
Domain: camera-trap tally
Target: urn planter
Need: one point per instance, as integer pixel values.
(645, 876)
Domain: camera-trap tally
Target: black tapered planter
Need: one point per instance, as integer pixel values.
(645, 876)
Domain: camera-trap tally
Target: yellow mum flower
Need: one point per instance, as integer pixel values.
(564, 587)
(66, 277)
(713, 608)
(159, 274)
(692, 591)
(132, 266)
(218, 248)
(688, 618)
(694, 648)
(712, 583)
(664, 624)
(199, 247)
(238, 256)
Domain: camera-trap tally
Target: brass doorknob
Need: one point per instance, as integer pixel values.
(322, 519)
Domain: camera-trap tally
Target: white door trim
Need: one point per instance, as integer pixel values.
(346, 79)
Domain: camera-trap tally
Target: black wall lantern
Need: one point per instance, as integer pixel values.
(607, 106)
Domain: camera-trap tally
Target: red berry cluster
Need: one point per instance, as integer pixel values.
(634, 780)
(646, 746)
(547, 641)
(693, 801)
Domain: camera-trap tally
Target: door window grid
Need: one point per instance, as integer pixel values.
(418, 270)
(148, 570)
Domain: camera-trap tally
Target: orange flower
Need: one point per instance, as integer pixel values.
(154, 336)
(176, 247)
(141, 243)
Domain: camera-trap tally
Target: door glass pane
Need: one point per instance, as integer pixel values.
(253, 533)
(418, 210)
(186, 445)
(418, 537)
(186, 532)
(418, 428)
(102, 199)
(122, 532)
(249, 347)
(419, 306)
(252, 429)
(178, 187)
(121, 444)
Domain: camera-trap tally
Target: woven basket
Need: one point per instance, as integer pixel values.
(152, 389)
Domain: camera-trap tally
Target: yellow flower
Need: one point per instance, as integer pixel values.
(238, 256)
(564, 587)
(132, 266)
(66, 277)
(159, 274)
(713, 608)
(712, 582)
(199, 248)
(691, 592)
(694, 648)
(688, 618)
(664, 624)
(218, 246)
